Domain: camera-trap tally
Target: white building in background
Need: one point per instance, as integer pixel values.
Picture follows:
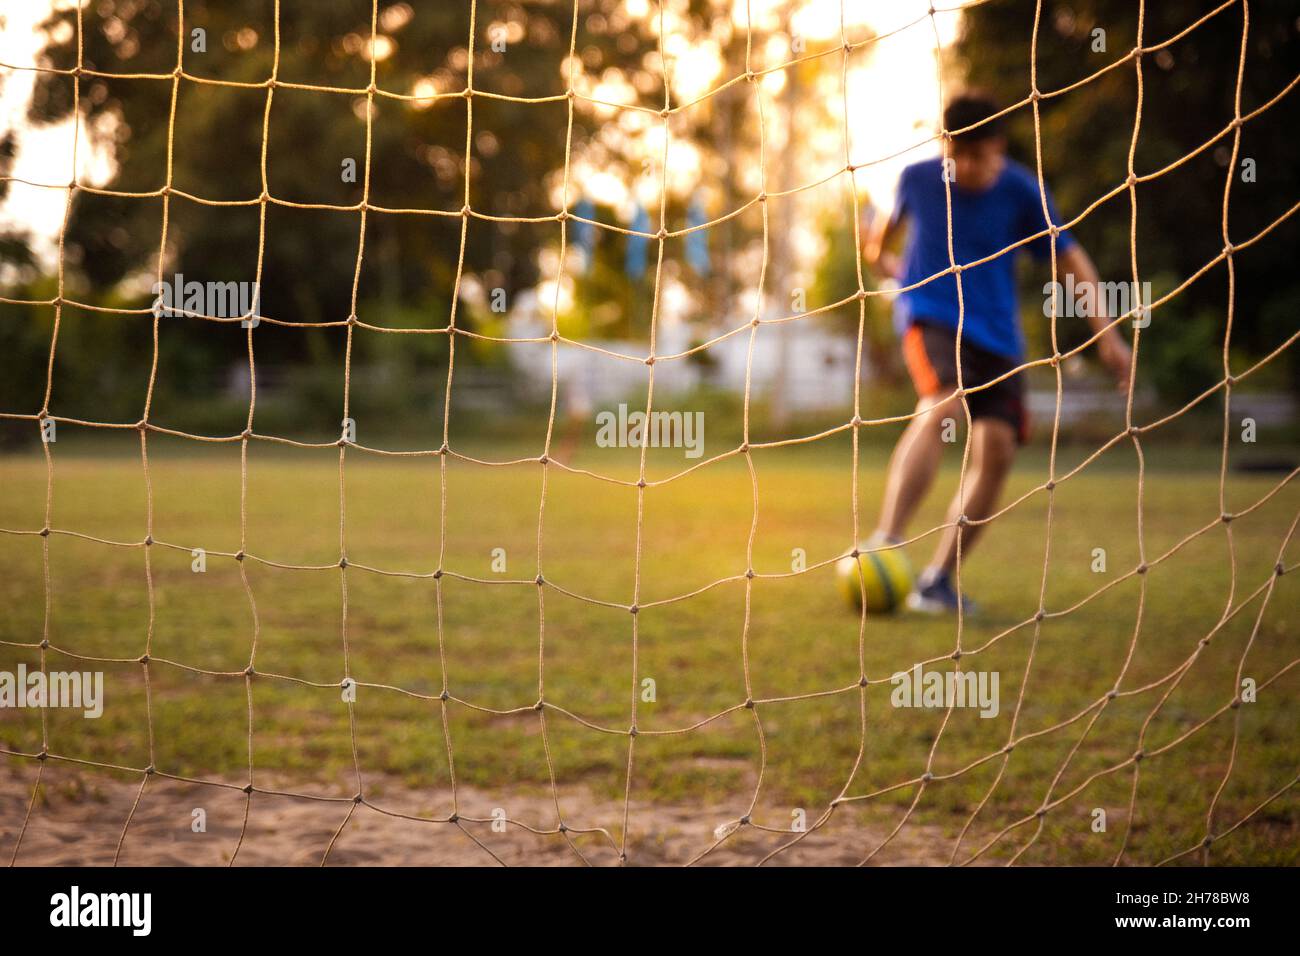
(818, 369)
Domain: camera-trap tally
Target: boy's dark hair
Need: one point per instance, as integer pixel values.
(967, 109)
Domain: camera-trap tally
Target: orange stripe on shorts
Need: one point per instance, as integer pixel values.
(923, 374)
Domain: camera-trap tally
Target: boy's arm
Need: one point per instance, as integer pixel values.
(882, 236)
(1113, 351)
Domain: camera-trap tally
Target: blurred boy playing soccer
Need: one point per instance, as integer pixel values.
(995, 203)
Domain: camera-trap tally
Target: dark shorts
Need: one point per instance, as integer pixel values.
(930, 353)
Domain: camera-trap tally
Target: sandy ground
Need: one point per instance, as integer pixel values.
(79, 815)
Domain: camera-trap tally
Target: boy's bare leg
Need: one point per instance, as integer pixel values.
(993, 449)
(913, 464)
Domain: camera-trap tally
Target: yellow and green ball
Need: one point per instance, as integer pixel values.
(886, 579)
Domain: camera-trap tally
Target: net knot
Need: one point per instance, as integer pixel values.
(150, 770)
(239, 555)
(632, 731)
(1142, 568)
(640, 482)
(443, 449)
(437, 574)
(634, 609)
(248, 671)
(43, 755)
(749, 703)
(956, 655)
(45, 532)
(649, 360)
(1236, 703)
(962, 521)
(856, 421)
(1207, 841)
(1138, 755)
(1008, 748)
(1226, 517)
(1133, 431)
(1131, 180)
(662, 234)
(749, 573)
(1228, 250)
(45, 643)
(352, 319)
(1040, 614)
(544, 459)
(1035, 95)
(927, 777)
(862, 681)
(247, 788)
(1051, 485)
(562, 215)
(454, 818)
(743, 448)
(1279, 569)
(142, 425)
(148, 540)
(539, 705)
(539, 580)
(144, 659)
(444, 696)
(465, 211)
(246, 434)
(1112, 694)
(343, 562)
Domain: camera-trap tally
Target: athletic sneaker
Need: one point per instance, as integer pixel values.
(935, 594)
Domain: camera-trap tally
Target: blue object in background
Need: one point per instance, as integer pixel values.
(638, 247)
(584, 233)
(697, 243)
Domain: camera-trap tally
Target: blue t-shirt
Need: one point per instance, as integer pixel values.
(982, 224)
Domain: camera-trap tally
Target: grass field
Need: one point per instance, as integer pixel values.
(801, 639)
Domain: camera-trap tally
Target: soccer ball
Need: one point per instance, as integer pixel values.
(886, 579)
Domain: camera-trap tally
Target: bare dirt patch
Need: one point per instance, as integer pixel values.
(79, 815)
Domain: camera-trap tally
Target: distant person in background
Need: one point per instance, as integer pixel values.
(995, 203)
(576, 407)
